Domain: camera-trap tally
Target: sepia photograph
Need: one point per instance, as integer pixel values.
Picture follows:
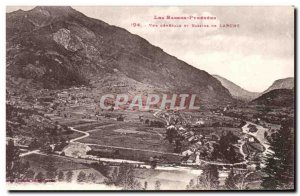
(150, 98)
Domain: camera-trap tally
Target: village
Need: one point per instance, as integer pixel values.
(156, 139)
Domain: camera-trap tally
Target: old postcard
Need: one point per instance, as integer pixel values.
(150, 98)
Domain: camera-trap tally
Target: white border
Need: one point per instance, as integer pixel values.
(5, 3)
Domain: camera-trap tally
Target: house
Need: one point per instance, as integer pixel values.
(191, 138)
(182, 129)
(171, 127)
(251, 139)
(187, 153)
(199, 123)
(197, 160)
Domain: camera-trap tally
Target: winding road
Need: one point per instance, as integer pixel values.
(81, 137)
(259, 135)
(159, 112)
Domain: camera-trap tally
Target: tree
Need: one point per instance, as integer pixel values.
(147, 121)
(145, 185)
(231, 154)
(178, 145)
(191, 185)
(171, 134)
(127, 180)
(34, 144)
(225, 148)
(69, 176)
(61, 176)
(124, 177)
(81, 178)
(237, 181)
(230, 182)
(153, 162)
(91, 178)
(157, 185)
(209, 179)
(279, 168)
(15, 168)
(29, 174)
(50, 168)
(40, 177)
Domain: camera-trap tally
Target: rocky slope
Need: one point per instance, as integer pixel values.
(59, 47)
(285, 83)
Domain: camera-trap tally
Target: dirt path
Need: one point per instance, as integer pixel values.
(157, 115)
(81, 137)
(29, 153)
(241, 149)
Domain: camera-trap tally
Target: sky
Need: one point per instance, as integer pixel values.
(254, 55)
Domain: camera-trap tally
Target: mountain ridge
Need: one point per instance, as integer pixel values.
(237, 91)
(284, 83)
(59, 47)
(276, 97)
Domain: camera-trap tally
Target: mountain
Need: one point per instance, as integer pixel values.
(59, 47)
(237, 91)
(285, 83)
(277, 97)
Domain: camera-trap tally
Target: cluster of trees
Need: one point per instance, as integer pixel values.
(224, 124)
(60, 176)
(154, 123)
(157, 185)
(172, 135)
(208, 180)
(225, 148)
(237, 181)
(123, 176)
(279, 171)
(84, 178)
(15, 168)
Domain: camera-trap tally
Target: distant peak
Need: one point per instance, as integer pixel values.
(18, 11)
(65, 8)
(54, 10)
(288, 78)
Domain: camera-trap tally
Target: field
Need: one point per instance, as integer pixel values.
(219, 130)
(129, 135)
(132, 138)
(38, 163)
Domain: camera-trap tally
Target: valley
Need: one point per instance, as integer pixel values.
(90, 103)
